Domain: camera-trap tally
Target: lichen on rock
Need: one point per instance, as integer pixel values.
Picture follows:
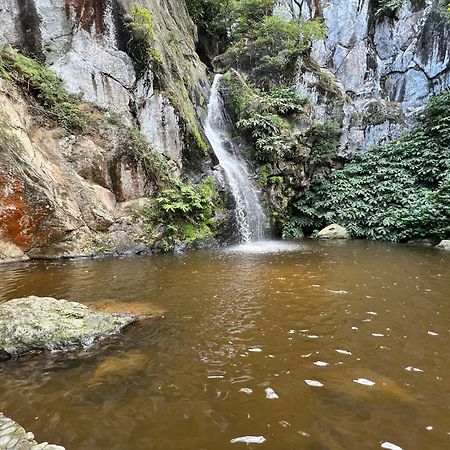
(37, 324)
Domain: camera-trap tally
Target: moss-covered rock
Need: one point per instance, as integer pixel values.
(37, 324)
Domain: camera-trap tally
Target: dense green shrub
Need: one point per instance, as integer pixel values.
(394, 192)
(44, 85)
(262, 117)
(182, 213)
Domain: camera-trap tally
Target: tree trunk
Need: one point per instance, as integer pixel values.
(319, 9)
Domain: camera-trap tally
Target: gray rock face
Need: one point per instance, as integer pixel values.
(444, 245)
(14, 437)
(46, 324)
(398, 62)
(333, 231)
(85, 43)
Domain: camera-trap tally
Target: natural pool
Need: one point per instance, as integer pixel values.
(352, 337)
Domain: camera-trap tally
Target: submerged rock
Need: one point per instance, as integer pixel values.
(444, 245)
(333, 231)
(45, 324)
(14, 437)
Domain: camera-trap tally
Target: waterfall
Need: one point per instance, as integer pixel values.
(249, 214)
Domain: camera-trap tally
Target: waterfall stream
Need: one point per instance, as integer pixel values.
(249, 214)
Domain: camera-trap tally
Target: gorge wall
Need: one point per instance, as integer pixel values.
(386, 67)
(69, 194)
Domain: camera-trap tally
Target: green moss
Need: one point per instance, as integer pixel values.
(45, 86)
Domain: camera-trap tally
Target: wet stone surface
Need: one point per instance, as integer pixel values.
(14, 437)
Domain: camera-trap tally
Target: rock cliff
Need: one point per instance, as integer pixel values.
(385, 66)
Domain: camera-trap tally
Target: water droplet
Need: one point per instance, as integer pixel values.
(432, 333)
(312, 336)
(429, 428)
(355, 328)
(372, 313)
(255, 350)
(378, 334)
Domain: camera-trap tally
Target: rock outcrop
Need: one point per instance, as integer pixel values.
(37, 324)
(15, 437)
(444, 245)
(374, 73)
(86, 44)
(333, 231)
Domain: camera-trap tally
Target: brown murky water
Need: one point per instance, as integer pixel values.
(236, 324)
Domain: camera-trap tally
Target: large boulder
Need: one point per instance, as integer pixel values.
(444, 245)
(35, 324)
(333, 231)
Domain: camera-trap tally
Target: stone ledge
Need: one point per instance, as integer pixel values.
(15, 437)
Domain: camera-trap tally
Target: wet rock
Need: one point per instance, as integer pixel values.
(14, 437)
(444, 245)
(35, 324)
(333, 231)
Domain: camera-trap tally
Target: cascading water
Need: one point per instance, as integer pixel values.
(250, 216)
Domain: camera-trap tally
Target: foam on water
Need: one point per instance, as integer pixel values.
(266, 246)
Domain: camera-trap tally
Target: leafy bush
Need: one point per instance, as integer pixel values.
(269, 51)
(261, 116)
(44, 85)
(394, 192)
(182, 213)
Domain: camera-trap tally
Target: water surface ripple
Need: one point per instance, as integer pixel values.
(307, 345)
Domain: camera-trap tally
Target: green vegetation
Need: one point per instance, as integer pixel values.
(262, 117)
(45, 86)
(324, 138)
(387, 7)
(182, 213)
(141, 47)
(396, 192)
(269, 51)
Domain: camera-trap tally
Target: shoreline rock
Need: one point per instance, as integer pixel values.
(333, 231)
(444, 245)
(39, 324)
(15, 437)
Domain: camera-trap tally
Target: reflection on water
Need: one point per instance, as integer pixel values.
(336, 345)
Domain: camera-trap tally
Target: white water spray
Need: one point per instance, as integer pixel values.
(250, 216)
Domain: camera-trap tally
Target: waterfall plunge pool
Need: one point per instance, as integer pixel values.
(320, 345)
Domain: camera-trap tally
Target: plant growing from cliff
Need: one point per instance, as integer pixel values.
(45, 86)
(394, 192)
(141, 46)
(387, 7)
(182, 213)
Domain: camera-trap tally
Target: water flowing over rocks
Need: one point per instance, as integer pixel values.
(14, 437)
(36, 324)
